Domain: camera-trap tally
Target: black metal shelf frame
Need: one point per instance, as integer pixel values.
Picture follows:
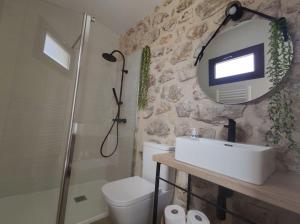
(190, 194)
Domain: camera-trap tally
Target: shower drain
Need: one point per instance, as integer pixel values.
(80, 198)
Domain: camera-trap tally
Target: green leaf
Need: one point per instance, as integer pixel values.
(144, 78)
(280, 102)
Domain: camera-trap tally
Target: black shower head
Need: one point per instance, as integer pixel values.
(109, 57)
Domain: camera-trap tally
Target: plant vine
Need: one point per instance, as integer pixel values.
(280, 102)
(144, 78)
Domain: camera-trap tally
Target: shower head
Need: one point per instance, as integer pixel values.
(109, 57)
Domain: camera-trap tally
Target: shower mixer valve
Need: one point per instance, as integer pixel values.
(120, 120)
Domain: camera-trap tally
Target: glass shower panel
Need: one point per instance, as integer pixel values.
(94, 113)
(35, 99)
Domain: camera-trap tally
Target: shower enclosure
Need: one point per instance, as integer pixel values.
(44, 47)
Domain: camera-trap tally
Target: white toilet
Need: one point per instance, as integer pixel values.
(130, 200)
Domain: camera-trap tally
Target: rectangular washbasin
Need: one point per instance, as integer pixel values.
(250, 163)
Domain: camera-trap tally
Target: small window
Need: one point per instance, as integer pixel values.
(56, 51)
(237, 66)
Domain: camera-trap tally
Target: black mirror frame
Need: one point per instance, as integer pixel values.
(236, 14)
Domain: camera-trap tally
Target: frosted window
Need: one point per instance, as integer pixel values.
(56, 52)
(236, 66)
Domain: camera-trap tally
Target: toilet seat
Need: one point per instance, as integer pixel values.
(128, 191)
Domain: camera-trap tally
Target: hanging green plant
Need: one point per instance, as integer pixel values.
(144, 78)
(280, 102)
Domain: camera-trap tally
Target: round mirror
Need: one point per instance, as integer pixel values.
(233, 68)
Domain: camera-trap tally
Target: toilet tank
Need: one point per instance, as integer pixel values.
(149, 166)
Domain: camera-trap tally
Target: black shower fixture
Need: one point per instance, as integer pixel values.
(235, 11)
(109, 57)
(117, 120)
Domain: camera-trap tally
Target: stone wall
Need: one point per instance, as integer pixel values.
(176, 103)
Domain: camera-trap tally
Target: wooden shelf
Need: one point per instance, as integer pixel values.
(282, 189)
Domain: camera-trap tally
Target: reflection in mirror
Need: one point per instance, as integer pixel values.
(233, 68)
(242, 64)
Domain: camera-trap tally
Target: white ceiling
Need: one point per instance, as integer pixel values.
(118, 15)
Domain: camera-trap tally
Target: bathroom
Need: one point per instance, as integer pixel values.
(65, 135)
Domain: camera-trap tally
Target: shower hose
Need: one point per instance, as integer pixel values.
(115, 122)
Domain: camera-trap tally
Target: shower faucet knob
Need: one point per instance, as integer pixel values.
(120, 120)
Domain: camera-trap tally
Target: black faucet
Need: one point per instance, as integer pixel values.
(231, 130)
(223, 192)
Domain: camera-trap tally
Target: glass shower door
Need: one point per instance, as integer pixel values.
(95, 110)
(37, 73)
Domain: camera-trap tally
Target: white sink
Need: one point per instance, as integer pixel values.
(250, 163)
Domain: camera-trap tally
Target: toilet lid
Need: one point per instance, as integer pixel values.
(127, 191)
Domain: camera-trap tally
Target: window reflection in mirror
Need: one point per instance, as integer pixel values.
(232, 70)
(235, 66)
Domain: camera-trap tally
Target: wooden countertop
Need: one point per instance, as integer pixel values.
(282, 189)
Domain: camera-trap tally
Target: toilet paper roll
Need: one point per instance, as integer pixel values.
(197, 217)
(174, 214)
